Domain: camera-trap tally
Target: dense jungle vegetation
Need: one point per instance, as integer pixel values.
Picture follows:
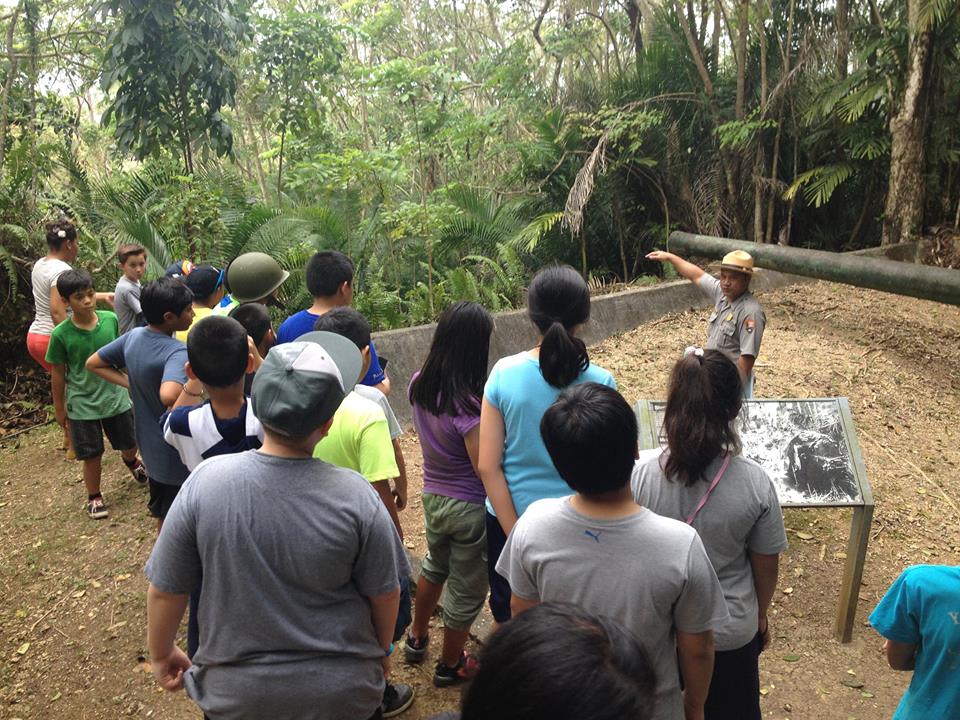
(449, 146)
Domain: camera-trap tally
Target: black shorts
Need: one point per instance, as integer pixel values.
(87, 435)
(161, 498)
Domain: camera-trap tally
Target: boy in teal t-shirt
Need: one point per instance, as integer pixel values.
(919, 617)
(89, 405)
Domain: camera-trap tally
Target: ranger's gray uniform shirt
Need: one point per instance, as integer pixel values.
(649, 573)
(735, 328)
(741, 516)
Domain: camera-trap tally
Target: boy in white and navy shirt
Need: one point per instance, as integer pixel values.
(219, 359)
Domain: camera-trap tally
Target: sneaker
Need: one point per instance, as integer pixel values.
(465, 669)
(139, 472)
(97, 509)
(396, 699)
(415, 649)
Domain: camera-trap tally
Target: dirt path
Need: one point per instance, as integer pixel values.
(72, 618)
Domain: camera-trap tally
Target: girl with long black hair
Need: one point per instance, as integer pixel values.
(445, 398)
(514, 464)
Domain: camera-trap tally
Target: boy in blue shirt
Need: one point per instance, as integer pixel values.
(329, 278)
(155, 376)
(919, 617)
(94, 407)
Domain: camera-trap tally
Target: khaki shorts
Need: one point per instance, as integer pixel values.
(457, 556)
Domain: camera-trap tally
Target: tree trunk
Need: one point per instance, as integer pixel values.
(843, 37)
(7, 85)
(743, 20)
(903, 210)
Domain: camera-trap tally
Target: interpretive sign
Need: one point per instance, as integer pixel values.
(809, 448)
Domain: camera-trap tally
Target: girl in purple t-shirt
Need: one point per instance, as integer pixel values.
(445, 397)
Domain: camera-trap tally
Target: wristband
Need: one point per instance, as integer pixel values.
(199, 394)
(389, 651)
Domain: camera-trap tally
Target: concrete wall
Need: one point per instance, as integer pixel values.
(407, 348)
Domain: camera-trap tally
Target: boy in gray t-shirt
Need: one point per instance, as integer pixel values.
(126, 296)
(299, 559)
(603, 552)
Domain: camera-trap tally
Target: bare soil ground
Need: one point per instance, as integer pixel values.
(72, 622)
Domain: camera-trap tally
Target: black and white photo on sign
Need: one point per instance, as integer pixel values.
(802, 446)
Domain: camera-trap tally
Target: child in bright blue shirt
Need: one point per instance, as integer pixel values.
(919, 617)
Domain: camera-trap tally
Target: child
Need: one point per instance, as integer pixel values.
(919, 617)
(445, 397)
(329, 278)
(557, 661)
(731, 502)
(219, 360)
(256, 321)
(92, 405)
(299, 562)
(603, 552)
(513, 462)
(359, 438)
(206, 284)
(126, 297)
(352, 325)
(155, 376)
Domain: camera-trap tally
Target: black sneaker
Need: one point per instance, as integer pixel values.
(139, 472)
(415, 649)
(396, 699)
(447, 675)
(97, 508)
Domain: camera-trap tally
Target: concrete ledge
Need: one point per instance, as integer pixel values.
(406, 348)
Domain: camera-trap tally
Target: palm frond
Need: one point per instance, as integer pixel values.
(820, 183)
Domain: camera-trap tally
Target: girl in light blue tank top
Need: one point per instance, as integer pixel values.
(514, 465)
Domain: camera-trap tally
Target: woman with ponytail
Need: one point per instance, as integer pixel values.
(513, 463)
(702, 479)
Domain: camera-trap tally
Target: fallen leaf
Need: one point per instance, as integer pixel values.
(791, 658)
(866, 694)
(78, 594)
(121, 577)
(22, 650)
(764, 691)
(787, 591)
(96, 583)
(852, 683)
(804, 535)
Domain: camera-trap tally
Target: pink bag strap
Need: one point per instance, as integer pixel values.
(706, 495)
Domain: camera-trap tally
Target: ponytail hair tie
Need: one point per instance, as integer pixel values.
(694, 350)
(61, 233)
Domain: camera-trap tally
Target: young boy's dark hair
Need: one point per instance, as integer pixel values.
(164, 295)
(218, 351)
(59, 232)
(72, 281)
(347, 322)
(255, 319)
(326, 271)
(598, 669)
(591, 435)
(125, 252)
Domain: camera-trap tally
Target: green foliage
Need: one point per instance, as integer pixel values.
(820, 183)
(168, 73)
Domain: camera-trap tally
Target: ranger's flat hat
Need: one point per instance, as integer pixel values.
(739, 261)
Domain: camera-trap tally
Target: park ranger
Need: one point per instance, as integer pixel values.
(736, 325)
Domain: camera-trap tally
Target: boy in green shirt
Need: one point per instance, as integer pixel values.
(92, 405)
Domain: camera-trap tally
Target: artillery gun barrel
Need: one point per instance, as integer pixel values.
(901, 278)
